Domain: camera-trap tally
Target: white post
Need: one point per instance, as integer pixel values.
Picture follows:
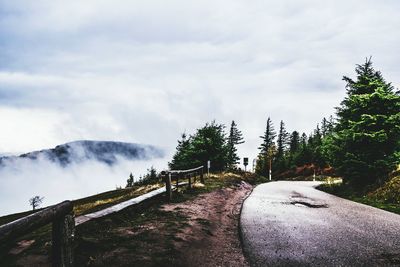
(270, 169)
(314, 176)
(208, 168)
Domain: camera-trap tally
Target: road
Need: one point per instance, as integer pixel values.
(293, 224)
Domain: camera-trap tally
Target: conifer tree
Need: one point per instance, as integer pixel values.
(366, 144)
(294, 147)
(282, 142)
(267, 149)
(181, 158)
(235, 138)
(294, 143)
(130, 181)
(304, 156)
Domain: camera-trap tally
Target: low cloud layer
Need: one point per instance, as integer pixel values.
(26, 178)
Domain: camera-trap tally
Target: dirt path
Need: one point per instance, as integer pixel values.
(198, 229)
(212, 238)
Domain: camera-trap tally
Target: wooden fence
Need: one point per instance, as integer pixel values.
(176, 175)
(63, 221)
(63, 229)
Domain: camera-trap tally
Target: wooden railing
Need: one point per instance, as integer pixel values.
(177, 175)
(63, 221)
(63, 229)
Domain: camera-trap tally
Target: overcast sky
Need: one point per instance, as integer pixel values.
(146, 71)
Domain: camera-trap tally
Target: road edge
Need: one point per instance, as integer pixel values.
(241, 240)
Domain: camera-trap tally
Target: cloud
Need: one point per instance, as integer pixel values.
(147, 71)
(20, 180)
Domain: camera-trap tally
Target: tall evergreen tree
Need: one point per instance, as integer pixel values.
(283, 139)
(324, 127)
(267, 149)
(282, 142)
(294, 147)
(181, 159)
(315, 148)
(209, 143)
(304, 156)
(235, 138)
(366, 144)
(294, 143)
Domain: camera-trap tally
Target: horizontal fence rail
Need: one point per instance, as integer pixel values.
(63, 220)
(185, 171)
(171, 175)
(63, 227)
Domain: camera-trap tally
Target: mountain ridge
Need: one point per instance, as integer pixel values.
(107, 152)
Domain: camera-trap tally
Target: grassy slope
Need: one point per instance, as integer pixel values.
(386, 197)
(95, 236)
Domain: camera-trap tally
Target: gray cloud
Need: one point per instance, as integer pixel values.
(147, 71)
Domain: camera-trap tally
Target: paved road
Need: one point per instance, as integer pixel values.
(293, 224)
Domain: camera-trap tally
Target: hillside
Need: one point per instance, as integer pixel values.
(199, 227)
(106, 152)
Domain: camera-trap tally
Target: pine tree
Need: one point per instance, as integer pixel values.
(267, 149)
(324, 127)
(294, 143)
(209, 143)
(181, 158)
(304, 156)
(235, 138)
(129, 182)
(315, 148)
(365, 146)
(294, 147)
(282, 142)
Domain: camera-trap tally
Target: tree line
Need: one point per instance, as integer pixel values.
(209, 143)
(361, 142)
(281, 151)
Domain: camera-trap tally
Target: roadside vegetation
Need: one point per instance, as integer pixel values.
(360, 144)
(386, 197)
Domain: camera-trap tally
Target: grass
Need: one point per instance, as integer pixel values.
(378, 198)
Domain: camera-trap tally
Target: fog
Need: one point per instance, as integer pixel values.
(24, 178)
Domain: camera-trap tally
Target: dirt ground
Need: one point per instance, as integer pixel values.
(212, 237)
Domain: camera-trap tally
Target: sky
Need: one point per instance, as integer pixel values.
(147, 71)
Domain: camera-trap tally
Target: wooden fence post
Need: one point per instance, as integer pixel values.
(63, 231)
(168, 186)
(202, 176)
(190, 181)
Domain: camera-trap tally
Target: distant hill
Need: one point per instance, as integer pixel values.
(107, 152)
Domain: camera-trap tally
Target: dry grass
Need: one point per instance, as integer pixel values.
(107, 199)
(389, 192)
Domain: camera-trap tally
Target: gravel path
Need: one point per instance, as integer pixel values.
(293, 224)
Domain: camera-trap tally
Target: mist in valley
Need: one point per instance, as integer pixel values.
(24, 178)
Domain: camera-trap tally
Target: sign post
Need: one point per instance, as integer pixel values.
(245, 163)
(208, 168)
(270, 169)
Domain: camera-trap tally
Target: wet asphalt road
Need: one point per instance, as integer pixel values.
(293, 224)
